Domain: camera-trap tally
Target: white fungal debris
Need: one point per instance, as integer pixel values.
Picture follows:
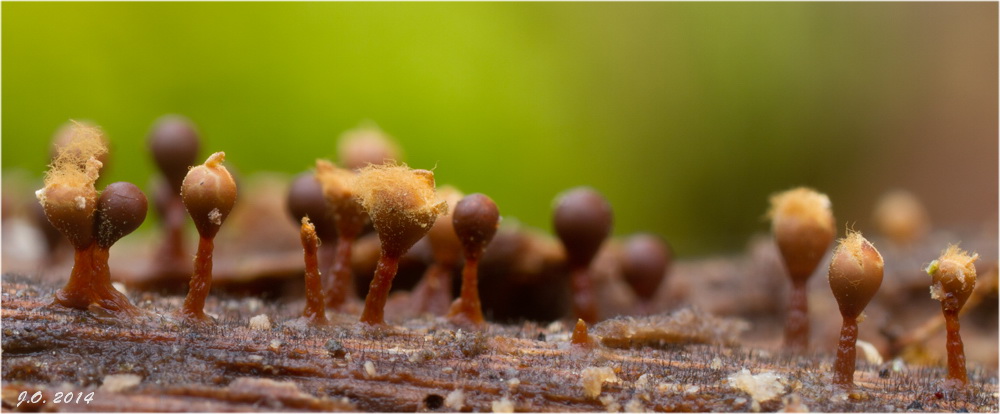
(503, 405)
(761, 387)
(792, 403)
(370, 369)
(555, 327)
(513, 383)
(937, 292)
(634, 406)
(215, 217)
(610, 405)
(870, 353)
(260, 323)
(119, 382)
(592, 378)
(643, 382)
(455, 399)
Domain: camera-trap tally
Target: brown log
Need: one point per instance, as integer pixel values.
(414, 365)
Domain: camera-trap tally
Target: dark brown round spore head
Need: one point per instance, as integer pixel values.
(209, 193)
(305, 198)
(475, 219)
(174, 143)
(582, 221)
(120, 210)
(644, 262)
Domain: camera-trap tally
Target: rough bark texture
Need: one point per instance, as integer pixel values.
(421, 364)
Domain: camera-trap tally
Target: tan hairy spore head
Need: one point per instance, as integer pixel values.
(77, 161)
(803, 226)
(901, 216)
(338, 190)
(69, 197)
(953, 277)
(401, 202)
(445, 245)
(855, 273)
(366, 145)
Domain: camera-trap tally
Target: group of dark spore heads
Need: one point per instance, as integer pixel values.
(337, 203)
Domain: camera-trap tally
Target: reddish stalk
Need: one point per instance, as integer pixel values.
(201, 282)
(843, 367)
(326, 253)
(378, 291)
(173, 220)
(75, 294)
(90, 283)
(340, 288)
(797, 319)
(315, 309)
(956, 352)
(468, 307)
(433, 293)
(584, 300)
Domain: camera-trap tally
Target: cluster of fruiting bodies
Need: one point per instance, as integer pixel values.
(334, 205)
(804, 227)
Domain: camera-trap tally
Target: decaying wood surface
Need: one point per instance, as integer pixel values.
(686, 361)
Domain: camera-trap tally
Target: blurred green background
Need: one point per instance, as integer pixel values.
(685, 115)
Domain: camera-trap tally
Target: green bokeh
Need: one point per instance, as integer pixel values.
(685, 115)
